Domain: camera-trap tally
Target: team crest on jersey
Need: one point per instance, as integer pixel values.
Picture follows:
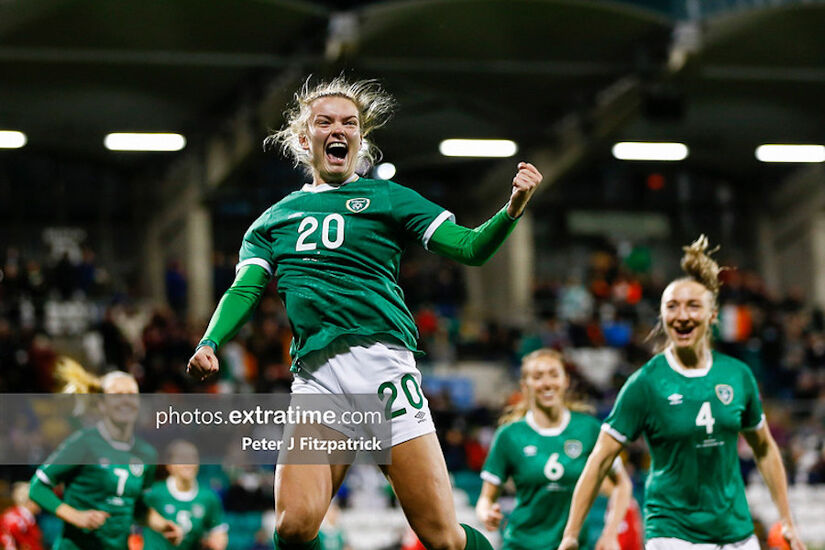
(136, 468)
(573, 448)
(105, 462)
(197, 511)
(530, 450)
(725, 393)
(358, 205)
(169, 509)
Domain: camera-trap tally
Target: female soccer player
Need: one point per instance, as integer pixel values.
(690, 403)
(180, 499)
(543, 445)
(105, 469)
(335, 247)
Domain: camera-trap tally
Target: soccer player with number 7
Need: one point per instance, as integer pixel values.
(690, 403)
(334, 247)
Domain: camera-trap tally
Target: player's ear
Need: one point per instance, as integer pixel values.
(303, 142)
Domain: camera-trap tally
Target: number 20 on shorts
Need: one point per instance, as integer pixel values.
(389, 392)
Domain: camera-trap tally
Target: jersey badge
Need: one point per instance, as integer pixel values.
(169, 509)
(573, 448)
(358, 205)
(136, 468)
(197, 511)
(725, 393)
(675, 398)
(104, 462)
(530, 450)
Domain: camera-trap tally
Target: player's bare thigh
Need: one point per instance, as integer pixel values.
(303, 491)
(418, 475)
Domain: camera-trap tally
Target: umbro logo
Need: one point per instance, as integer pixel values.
(675, 398)
(530, 450)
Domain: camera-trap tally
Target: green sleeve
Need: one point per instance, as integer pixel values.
(236, 305)
(627, 419)
(54, 470)
(752, 415)
(472, 246)
(214, 520)
(496, 468)
(42, 495)
(417, 216)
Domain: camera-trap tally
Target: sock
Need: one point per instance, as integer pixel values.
(314, 544)
(475, 540)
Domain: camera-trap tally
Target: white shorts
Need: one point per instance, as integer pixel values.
(666, 543)
(383, 369)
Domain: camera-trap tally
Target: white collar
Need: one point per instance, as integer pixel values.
(119, 445)
(689, 373)
(549, 432)
(320, 188)
(183, 496)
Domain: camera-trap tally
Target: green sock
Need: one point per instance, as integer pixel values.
(475, 540)
(314, 544)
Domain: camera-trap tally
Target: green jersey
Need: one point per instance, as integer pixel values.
(198, 512)
(545, 464)
(100, 474)
(691, 421)
(335, 252)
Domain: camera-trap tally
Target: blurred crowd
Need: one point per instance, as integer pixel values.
(70, 305)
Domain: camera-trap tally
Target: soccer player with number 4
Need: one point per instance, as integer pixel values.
(690, 403)
(334, 247)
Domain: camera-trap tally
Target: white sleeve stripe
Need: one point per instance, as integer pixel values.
(255, 261)
(491, 478)
(41, 475)
(617, 465)
(219, 528)
(441, 218)
(617, 435)
(758, 425)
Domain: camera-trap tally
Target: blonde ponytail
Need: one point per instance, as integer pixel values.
(75, 379)
(699, 266)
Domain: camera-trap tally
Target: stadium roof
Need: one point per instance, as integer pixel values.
(541, 72)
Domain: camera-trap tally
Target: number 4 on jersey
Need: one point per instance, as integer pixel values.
(705, 418)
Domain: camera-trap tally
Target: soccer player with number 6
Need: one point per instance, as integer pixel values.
(690, 403)
(334, 247)
(543, 444)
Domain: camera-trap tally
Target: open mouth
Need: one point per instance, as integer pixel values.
(337, 152)
(684, 331)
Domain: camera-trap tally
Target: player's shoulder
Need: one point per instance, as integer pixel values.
(508, 430)
(729, 363)
(145, 451)
(584, 420)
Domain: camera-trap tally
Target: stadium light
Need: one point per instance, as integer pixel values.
(776, 152)
(12, 139)
(144, 142)
(649, 150)
(478, 148)
(385, 170)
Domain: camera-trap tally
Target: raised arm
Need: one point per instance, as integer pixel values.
(598, 465)
(476, 246)
(232, 312)
(769, 462)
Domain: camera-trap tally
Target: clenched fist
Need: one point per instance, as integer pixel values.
(525, 183)
(203, 364)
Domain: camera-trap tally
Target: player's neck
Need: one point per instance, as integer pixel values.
(551, 417)
(183, 485)
(318, 179)
(119, 432)
(697, 357)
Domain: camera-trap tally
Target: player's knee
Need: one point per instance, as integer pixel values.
(296, 526)
(450, 538)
